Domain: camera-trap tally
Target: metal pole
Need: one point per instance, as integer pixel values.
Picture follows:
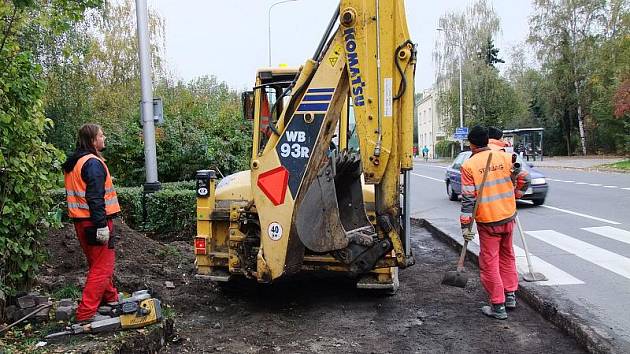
(461, 100)
(407, 212)
(148, 127)
(269, 24)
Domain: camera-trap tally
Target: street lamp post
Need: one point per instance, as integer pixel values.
(269, 23)
(461, 93)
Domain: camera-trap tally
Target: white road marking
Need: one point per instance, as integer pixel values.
(596, 255)
(431, 166)
(431, 178)
(582, 215)
(584, 183)
(555, 275)
(610, 232)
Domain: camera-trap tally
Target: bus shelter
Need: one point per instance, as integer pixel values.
(528, 142)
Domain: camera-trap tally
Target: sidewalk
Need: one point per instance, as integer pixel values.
(576, 162)
(442, 161)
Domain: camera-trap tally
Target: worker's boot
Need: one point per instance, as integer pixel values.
(510, 300)
(495, 310)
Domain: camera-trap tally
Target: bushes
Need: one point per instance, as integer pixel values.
(170, 212)
(443, 148)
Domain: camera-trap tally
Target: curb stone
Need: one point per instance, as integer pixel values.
(590, 338)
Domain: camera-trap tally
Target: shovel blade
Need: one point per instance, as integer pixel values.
(455, 278)
(532, 277)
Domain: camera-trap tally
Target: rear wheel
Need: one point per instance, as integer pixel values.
(539, 201)
(451, 193)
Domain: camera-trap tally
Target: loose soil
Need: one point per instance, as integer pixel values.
(314, 312)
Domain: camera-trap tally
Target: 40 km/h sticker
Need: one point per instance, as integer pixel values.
(274, 231)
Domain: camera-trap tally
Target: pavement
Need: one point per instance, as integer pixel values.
(579, 239)
(577, 162)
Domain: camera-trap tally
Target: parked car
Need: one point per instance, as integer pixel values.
(537, 192)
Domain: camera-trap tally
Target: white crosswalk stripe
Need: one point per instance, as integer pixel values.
(555, 275)
(610, 232)
(596, 255)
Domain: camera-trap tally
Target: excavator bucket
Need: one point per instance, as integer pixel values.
(332, 216)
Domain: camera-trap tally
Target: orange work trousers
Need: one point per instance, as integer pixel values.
(497, 264)
(99, 286)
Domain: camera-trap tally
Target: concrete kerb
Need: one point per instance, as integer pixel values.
(588, 337)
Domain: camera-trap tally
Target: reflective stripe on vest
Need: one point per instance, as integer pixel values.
(78, 207)
(498, 201)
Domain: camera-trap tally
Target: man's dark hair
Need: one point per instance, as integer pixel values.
(478, 136)
(495, 133)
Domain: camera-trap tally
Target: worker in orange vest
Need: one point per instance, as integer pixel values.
(494, 141)
(495, 218)
(92, 204)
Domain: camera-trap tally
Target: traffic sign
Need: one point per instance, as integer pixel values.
(459, 136)
(461, 131)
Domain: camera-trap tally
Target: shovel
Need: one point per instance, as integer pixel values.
(458, 278)
(531, 276)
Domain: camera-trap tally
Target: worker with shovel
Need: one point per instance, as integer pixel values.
(495, 215)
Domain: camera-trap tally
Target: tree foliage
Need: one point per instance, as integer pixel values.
(583, 49)
(28, 165)
(99, 81)
(488, 98)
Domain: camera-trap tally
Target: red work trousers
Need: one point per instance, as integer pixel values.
(98, 285)
(497, 264)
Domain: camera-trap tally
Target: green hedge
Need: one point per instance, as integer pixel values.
(443, 149)
(170, 211)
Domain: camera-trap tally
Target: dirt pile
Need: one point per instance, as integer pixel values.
(141, 263)
(311, 312)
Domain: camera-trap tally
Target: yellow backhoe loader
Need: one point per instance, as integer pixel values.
(331, 154)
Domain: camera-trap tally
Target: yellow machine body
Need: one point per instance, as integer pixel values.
(331, 142)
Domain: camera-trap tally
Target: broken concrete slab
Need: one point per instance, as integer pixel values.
(27, 301)
(67, 302)
(64, 313)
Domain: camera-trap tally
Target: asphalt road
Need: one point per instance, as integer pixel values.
(580, 239)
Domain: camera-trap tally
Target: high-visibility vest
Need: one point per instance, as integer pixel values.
(498, 201)
(76, 187)
(495, 144)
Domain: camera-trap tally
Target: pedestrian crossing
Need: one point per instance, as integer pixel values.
(606, 259)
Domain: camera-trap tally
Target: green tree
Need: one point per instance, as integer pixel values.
(29, 166)
(488, 99)
(582, 46)
(490, 55)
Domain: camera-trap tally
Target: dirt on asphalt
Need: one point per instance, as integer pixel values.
(313, 312)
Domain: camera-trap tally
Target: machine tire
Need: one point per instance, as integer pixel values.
(538, 201)
(451, 193)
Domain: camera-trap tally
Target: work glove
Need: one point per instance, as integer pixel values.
(102, 235)
(468, 234)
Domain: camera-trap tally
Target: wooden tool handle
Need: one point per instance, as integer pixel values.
(462, 255)
(483, 183)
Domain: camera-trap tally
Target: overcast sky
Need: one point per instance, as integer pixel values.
(229, 38)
